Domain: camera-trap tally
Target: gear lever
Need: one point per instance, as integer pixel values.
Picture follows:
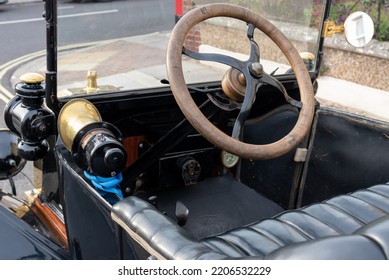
(182, 213)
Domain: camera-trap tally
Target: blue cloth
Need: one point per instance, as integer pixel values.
(106, 185)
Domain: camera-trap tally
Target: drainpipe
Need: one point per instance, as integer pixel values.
(179, 10)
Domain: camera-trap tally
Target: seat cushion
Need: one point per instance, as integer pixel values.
(352, 226)
(340, 216)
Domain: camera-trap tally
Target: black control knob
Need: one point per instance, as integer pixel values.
(114, 159)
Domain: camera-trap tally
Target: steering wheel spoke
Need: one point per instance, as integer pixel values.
(254, 48)
(270, 80)
(214, 57)
(248, 101)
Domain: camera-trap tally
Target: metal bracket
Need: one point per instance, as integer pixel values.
(330, 28)
(301, 155)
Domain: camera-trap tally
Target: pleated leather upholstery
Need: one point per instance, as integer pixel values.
(353, 226)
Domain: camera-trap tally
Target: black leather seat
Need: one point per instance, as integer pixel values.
(352, 226)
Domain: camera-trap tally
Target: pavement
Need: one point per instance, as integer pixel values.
(22, 1)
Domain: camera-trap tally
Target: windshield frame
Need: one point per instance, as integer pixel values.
(55, 103)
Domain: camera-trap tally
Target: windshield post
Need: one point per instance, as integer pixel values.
(51, 55)
(325, 16)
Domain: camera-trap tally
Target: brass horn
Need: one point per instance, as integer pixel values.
(75, 115)
(95, 145)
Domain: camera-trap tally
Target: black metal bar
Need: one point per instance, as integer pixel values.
(119, 241)
(51, 55)
(326, 14)
(12, 183)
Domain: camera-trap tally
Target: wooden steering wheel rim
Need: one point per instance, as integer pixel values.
(191, 110)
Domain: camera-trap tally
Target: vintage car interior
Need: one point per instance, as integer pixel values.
(247, 166)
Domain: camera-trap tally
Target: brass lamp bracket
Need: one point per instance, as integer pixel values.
(330, 28)
(92, 82)
(92, 87)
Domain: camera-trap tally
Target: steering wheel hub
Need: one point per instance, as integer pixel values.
(256, 69)
(234, 84)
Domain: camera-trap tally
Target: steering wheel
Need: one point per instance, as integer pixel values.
(254, 77)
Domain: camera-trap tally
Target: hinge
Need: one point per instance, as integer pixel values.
(301, 155)
(330, 28)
